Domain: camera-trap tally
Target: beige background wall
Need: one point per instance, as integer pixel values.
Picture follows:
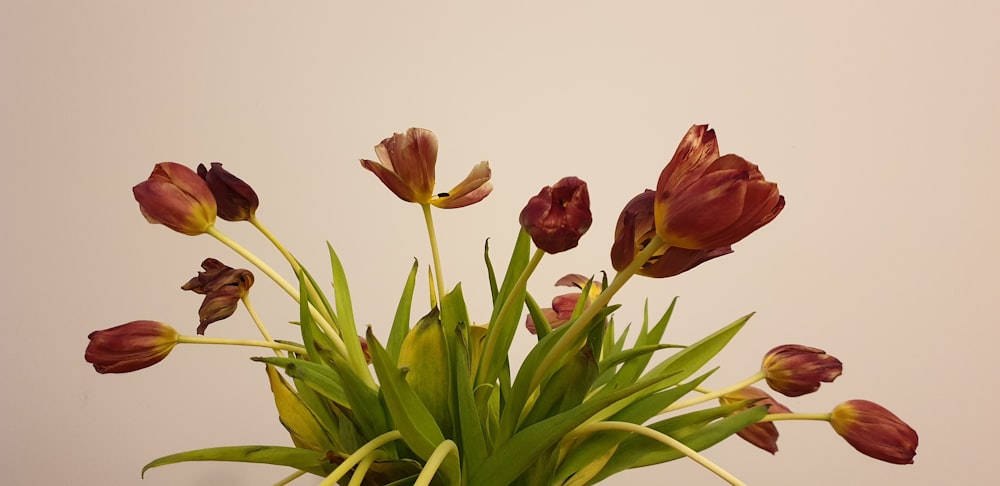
(878, 119)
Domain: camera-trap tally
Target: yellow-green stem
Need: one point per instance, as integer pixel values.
(321, 321)
(825, 417)
(508, 306)
(667, 440)
(570, 337)
(712, 395)
(258, 322)
(432, 235)
(277, 244)
(358, 478)
(434, 462)
(291, 477)
(360, 454)
(241, 342)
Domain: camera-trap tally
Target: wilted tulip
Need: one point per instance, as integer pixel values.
(636, 228)
(406, 166)
(236, 200)
(704, 201)
(129, 347)
(563, 305)
(764, 435)
(875, 431)
(794, 370)
(177, 198)
(222, 286)
(558, 216)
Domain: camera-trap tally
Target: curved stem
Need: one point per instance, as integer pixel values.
(324, 322)
(258, 322)
(432, 235)
(667, 440)
(291, 477)
(360, 454)
(357, 479)
(277, 244)
(825, 417)
(576, 329)
(717, 393)
(434, 462)
(257, 262)
(241, 342)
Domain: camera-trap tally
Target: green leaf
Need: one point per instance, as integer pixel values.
(301, 459)
(318, 377)
(689, 360)
(619, 357)
(512, 458)
(401, 321)
(632, 369)
(416, 424)
(345, 313)
(501, 334)
(494, 291)
(542, 326)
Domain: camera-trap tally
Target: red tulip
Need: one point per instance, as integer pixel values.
(875, 431)
(236, 200)
(176, 197)
(764, 435)
(129, 347)
(794, 370)
(558, 216)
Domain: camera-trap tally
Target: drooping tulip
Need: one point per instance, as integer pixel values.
(558, 216)
(222, 286)
(176, 197)
(235, 199)
(636, 228)
(704, 201)
(875, 431)
(763, 435)
(130, 347)
(406, 163)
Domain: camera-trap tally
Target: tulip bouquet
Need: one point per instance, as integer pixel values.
(436, 400)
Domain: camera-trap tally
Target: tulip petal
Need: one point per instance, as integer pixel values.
(471, 190)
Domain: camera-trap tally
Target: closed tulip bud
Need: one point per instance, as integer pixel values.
(222, 286)
(763, 435)
(177, 198)
(131, 346)
(406, 165)
(794, 370)
(558, 216)
(235, 199)
(705, 201)
(636, 228)
(875, 431)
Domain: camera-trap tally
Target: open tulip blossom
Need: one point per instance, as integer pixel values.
(431, 398)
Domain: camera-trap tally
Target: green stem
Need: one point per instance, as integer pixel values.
(434, 462)
(277, 244)
(579, 326)
(322, 321)
(432, 235)
(667, 440)
(717, 393)
(508, 306)
(825, 417)
(358, 478)
(360, 454)
(291, 477)
(241, 342)
(258, 322)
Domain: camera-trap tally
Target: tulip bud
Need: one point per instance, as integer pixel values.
(763, 435)
(222, 286)
(129, 347)
(636, 228)
(794, 370)
(236, 200)
(704, 201)
(177, 198)
(558, 216)
(875, 431)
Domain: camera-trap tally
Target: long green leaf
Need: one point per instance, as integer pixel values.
(302, 459)
(318, 377)
(401, 321)
(345, 314)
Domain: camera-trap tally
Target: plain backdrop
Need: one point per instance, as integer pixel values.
(877, 119)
